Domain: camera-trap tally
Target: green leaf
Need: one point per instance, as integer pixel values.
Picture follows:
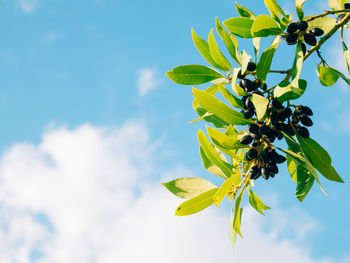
(238, 214)
(265, 62)
(233, 100)
(216, 53)
(299, 5)
(244, 12)
(319, 158)
(302, 161)
(219, 109)
(213, 155)
(256, 202)
(218, 123)
(275, 11)
(236, 88)
(256, 43)
(287, 91)
(346, 56)
(232, 46)
(264, 26)
(326, 23)
(203, 48)
(210, 166)
(232, 233)
(298, 171)
(227, 144)
(297, 63)
(211, 90)
(188, 187)
(226, 187)
(329, 76)
(240, 26)
(193, 74)
(245, 60)
(260, 105)
(196, 204)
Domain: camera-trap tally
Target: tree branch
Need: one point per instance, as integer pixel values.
(326, 13)
(328, 35)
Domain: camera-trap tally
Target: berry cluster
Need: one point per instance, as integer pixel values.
(297, 30)
(261, 134)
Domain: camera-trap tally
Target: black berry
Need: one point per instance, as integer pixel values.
(257, 83)
(254, 172)
(303, 132)
(303, 25)
(264, 86)
(340, 18)
(305, 120)
(248, 113)
(247, 85)
(317, 32)
(306, 110)
(265, 173)
(347, 6)
(276, 104)
(303, 48)
(251, 66)
(252, 153)
(292, 38)
(310, 39)
(272, 168)
(281, 159)
(246, 139)
(292, 27)
(253, 129)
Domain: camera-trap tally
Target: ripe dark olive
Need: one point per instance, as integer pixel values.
(305, 120)
(303, 25)
(347, 6)
(265, 173)
(246, 139)
(287, 129)
(251, 66)
(248, 113)
(271, 137)
(292, 39)
(310, 39)
(306, 110)
(303, 48)
(265, 154)
(286, 113)
(247, 85)
(252, 153)
(292, 27)
(340, 18)
(317, 32)
(264, 86)
(273, 156)
(272, 168)
(257, 83)
(249, 105)
(303, 132)
(256, 144)
(253, 129)
(281, 159)
(254, 172)
(274, 119)
(240, 76)
(264, 130)
(279, 135)
(276, 104)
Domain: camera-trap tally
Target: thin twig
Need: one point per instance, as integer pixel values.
(326, 13)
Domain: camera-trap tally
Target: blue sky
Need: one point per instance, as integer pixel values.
(85, 106)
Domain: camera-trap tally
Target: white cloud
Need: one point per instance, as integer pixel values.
(147, 80)
(85, 195)
(28, 6)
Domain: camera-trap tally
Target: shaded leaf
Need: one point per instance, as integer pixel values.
(260, 105)
(265, 62)
(299, 4)
(244, 12)
(211, 90)
(287, 91)
(233, 100)
(218, 123)
(329, 76)
(326, 23)
(226, 187)
(238, 214)
(216, 53)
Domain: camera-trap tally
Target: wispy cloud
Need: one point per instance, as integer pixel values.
(28, 6)
(147, 80)
(84, 195)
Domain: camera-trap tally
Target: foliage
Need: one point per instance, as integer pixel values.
(305, 157)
